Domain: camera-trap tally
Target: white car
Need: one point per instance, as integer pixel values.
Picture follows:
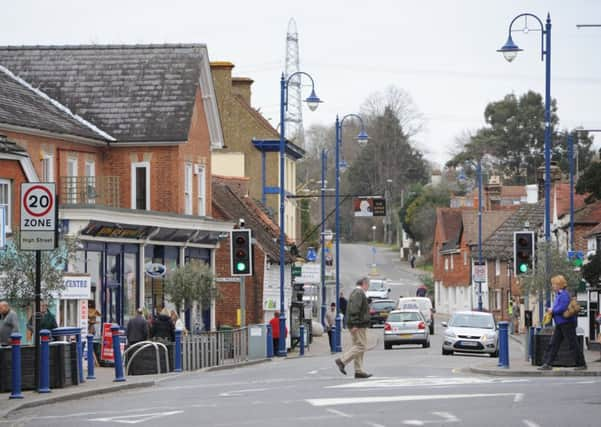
(377, 289)
(423, 304)
(471, 332)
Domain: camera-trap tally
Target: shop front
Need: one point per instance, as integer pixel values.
(128, 260)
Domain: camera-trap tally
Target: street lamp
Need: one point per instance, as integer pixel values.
(362, 140)
(510, 51)
(312, 102)
(479, 177)
(324, 161)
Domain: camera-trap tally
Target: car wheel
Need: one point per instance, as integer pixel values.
(426, 344)
(432, 328)
(446, 352)
(387, 346)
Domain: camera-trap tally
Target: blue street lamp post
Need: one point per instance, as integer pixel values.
(312, 102)
(510, 51)
(479, 169)
(324, 161)
(362, 140)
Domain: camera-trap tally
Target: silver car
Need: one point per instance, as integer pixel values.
(406, 327)
(471, 332)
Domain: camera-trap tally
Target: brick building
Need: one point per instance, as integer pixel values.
(127, 138)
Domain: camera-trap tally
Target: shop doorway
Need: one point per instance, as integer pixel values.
(111, 305)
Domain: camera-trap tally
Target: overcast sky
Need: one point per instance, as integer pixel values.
(442, 52)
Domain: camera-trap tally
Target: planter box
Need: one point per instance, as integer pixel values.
(564, 357)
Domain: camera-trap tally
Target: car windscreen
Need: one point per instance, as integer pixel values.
(409, 306)
(382, 305)
(472, 321)
(404, 316)
(374, 286)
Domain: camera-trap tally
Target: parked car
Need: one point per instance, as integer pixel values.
(377, 289)
(471, 332)
(423, 304)
(406, 327)
(379, 309)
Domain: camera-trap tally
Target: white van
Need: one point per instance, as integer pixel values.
(424, 305)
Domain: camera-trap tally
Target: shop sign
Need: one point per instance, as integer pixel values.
(83, 317)
(155, 270)
(369, 206)
(76, 287)
(106, 347)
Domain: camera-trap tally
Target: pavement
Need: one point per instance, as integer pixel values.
(520, 367)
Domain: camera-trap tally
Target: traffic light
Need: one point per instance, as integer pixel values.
(241, 254)
(523, 252)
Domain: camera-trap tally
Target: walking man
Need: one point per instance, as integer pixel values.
(358, 322)
(9, 323)
(343, 303)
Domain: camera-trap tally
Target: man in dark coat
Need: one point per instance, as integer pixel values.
(342, 302)
(137, 328)
(163, 327)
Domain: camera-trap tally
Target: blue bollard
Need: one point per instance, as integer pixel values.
(530, 343)
(15, 342)
(91, 375)
(79, 345)
(503, 345)
(44, 386)
(178, 351)
(337, 333)
(333, 345)
(117, 354)
(302, 340)
(269, 341)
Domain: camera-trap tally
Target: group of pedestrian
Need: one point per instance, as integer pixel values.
(161, 327)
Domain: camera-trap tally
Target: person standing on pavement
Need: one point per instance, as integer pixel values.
(342, 302)
(275, 331)
(358, 321)
(137, 328)
(516, 316)
(9, 323)
(162, 327)
(565, 328)
(510, 316)
(330, 322)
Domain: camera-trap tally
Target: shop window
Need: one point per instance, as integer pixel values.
(140, 185)
(5, 202)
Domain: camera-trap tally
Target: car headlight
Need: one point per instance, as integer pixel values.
(489, 337)
(450, 334)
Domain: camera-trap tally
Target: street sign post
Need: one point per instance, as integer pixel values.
(38, 216)
(479, 272)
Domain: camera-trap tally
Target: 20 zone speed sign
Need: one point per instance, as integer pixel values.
(38, 216)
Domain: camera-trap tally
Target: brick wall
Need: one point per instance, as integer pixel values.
(11, 170)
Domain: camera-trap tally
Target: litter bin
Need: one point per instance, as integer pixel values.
(564, 356)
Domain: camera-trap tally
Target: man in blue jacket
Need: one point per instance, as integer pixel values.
(564, 327)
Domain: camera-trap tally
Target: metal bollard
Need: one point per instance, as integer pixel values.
(269, 341)
(79, 345)
(15, 342)
(302, 340)
(117, 354)
(503, 345)
(337, 333)
(91, 375)
(44, 386)
(178, 351)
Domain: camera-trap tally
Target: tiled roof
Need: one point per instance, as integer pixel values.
(562, 193)
(491, 220)
(449, 220)
(24, 106)
(500, 243)
(595, 231)
(135, 93)
(588, 214)
(235, 206)
(257, 116)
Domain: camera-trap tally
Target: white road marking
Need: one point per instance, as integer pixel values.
(518, 397)
(585, 382)
(425, 382)
(339, 413)
(312, 372)
(235, 393)
(136, 418)
(530, 423)
(369, 423)
(447, 417)
(385, 399)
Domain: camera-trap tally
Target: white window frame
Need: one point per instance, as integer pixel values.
(8, 183)
(202, 191)
(446, 263)
(452, 266)
(90, 172)
(497, 267)
(188, 188)
(48, 167)
(72, 184)
(465, 258)
(134, 166)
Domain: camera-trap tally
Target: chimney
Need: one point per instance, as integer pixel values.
(222, 77)
(241, 86)
(531, 193)
(540, 175)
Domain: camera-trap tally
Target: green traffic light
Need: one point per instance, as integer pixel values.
(523, 268)
(240, 266)
(577, 262)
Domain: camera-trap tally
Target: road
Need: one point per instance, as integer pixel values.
(356, 260)
(410, 386)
